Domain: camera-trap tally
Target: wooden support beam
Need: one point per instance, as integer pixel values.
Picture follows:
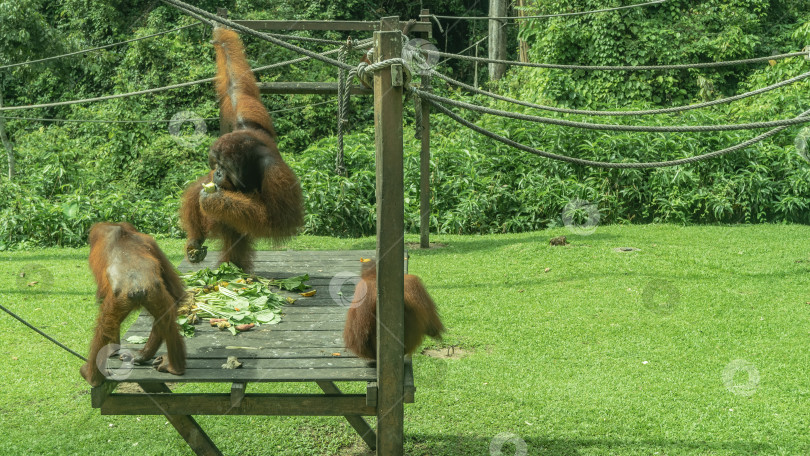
(98, 394)
(186, 425)
(252, 404)
(237, 393)
(341, 26)
(357, 422)
(390, 242)
(310, 88)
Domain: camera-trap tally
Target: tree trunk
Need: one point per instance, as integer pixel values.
(9, 147)
(497, 41)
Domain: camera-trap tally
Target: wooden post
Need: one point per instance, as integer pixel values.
(6, 143)
(424, 162)
(390, 241)
(497, 39)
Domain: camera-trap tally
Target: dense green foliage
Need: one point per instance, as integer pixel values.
(70, 175)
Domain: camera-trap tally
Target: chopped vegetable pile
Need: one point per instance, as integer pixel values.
(233, 300)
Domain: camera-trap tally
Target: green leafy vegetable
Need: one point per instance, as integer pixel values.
(292, 284)
(137, 339)
(227, 292)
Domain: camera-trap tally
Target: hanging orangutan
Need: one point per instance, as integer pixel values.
(132, 272)
(250, 191)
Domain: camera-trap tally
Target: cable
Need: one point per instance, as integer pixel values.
(618, 67)
(621, 113)
(84, 51)
(193, 9)
(42, 333)
(612, 127)
(579, 13)
(40, 119)
(160, 89)
(598, 164)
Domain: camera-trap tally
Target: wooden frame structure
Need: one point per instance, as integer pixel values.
(273, 353)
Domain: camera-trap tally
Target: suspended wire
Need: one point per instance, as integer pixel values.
(544, 16)
(598, 164)
(169, 87)
(104, 121)
(610, 127)
(618, 67)
(84, 51)
(38, 331)
(620, 113)
(185, 7)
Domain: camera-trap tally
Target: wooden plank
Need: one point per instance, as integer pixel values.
(371, 394)
(263, 363)
(184, 424)
(357, 422)
(237, 393)
(340, 26)
(252, 404)
(256, 352)
(390, 242)
(98, 394)
(409, 388)
(309, 88)
(148, 374)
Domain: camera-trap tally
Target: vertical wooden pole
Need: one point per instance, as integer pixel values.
(497, 39)
(390, 241)
(424, 159)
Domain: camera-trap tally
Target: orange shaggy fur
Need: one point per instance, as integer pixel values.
(421, 316)
(257, 193)
(132, 272)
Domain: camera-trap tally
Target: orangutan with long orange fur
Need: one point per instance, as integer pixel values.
(421, 316)
(132, 272)
(255, 194)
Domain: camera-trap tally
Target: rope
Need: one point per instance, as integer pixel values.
(42, 333)
(578, 13)
(622, 113)
(613, 127)
(158, 89)
(193, 9)
(41, 119)
(618, 67)
(84, 51)
(598, 164)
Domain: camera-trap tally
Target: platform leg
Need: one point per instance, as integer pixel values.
(186, 425)
(358, 422)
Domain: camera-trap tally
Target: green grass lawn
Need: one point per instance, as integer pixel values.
(697, 343)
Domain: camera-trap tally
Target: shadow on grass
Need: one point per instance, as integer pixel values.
(447, 445)
(483, 244)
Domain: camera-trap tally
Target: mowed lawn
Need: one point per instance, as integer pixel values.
(696, 343)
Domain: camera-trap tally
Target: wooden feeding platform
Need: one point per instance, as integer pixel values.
(305, 346)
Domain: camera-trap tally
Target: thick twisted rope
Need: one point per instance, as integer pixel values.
(84, 51)
(612, 127)
(248, 31)
(161, 89)
(545, 16)
(618, 67)
(598, 164)
(621, 113)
